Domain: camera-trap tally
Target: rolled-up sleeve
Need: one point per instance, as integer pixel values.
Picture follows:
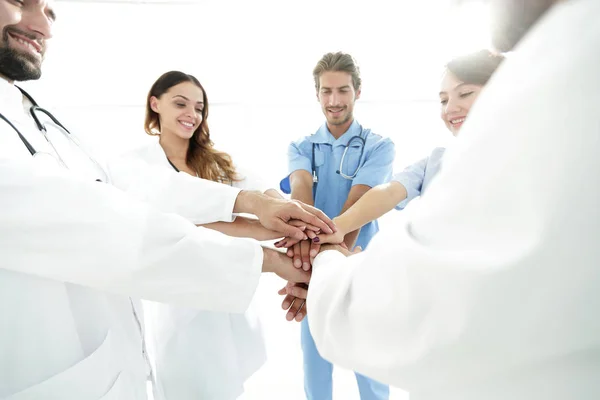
(412, 180)
(297, 160)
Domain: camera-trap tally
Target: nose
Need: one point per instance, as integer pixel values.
(192, 113)
(39, 22)
(452, 106)
(333, 99)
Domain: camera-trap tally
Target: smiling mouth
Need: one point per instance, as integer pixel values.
(457, 121)
(186, 124)
(31, 45)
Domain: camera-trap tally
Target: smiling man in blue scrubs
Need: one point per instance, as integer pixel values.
(332, 169)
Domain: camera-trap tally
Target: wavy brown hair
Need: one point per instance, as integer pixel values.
(202, 157)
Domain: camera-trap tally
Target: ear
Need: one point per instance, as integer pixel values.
(357, 94)
(154, 104)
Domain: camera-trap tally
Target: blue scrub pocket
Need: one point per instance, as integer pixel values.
(352, 160)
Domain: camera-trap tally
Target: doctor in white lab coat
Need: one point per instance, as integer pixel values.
(73, 249)
(493, 293)
(196, 354)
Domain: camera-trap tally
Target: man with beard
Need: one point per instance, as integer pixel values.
(332, 169)
(73, 249)
(489, 288)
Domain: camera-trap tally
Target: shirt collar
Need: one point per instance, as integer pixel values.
(11, 100)
(323, 136)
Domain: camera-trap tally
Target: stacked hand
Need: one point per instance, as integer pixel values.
(296, 293)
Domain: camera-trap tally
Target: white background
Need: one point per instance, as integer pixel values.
(255, 60)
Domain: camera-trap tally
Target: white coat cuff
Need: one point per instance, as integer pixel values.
(228, 204)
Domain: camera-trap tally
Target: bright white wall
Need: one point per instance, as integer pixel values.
(255, 60)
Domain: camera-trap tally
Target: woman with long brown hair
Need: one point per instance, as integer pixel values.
(198, 354)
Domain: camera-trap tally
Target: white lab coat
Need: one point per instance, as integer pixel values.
(489, 289)
(195, 354)
(74, 249)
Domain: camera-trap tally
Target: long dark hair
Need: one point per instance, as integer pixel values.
(475, 68)
(202, 157)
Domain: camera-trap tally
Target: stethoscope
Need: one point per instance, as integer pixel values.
(35, 108)
(357, 138)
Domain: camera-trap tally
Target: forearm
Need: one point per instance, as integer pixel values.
(244, 227)
(372, 205)
(302, 187)
(273, 193)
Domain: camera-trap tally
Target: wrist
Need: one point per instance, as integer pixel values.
(270, 260)
(342, 225)
(248, 201)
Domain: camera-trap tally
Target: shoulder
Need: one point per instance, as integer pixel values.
(302, 145)
(148, 153)
(376, 142)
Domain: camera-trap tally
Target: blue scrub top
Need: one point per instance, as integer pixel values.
(376, 165)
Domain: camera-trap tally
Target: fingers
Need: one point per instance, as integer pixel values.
(297, 256)
(304, 254)
(295, 309)
(301, 313)
(298, 224)
(286, 242)
(287, 230)
(287, 302)
(290, 252)
(300, 291)
(323, 238)
(314, 250)
(290, 273)
(314, 216)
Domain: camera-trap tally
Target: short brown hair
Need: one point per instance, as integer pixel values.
(335, 62)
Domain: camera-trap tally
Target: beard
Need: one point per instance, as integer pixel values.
(16, 65)
(512, 19)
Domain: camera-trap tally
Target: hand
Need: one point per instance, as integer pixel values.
(335, 238)
(294, 301)
(280, 264)
(301, 253)
(275, 214)
(310, 232)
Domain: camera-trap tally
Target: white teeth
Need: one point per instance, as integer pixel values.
(26, 43)
(457, 121)
(188, 124)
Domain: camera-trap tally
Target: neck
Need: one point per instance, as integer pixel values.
(6, 79)
(175, 147)
(339, 130)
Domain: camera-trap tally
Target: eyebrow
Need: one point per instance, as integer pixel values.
(456, 87)
(185, 98)
(51, 14)
(341, 87)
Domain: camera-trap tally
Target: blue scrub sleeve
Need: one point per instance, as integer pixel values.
(378, 166)
(297, 160)
(412, 179)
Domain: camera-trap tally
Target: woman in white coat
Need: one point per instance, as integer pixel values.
(196, 354)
